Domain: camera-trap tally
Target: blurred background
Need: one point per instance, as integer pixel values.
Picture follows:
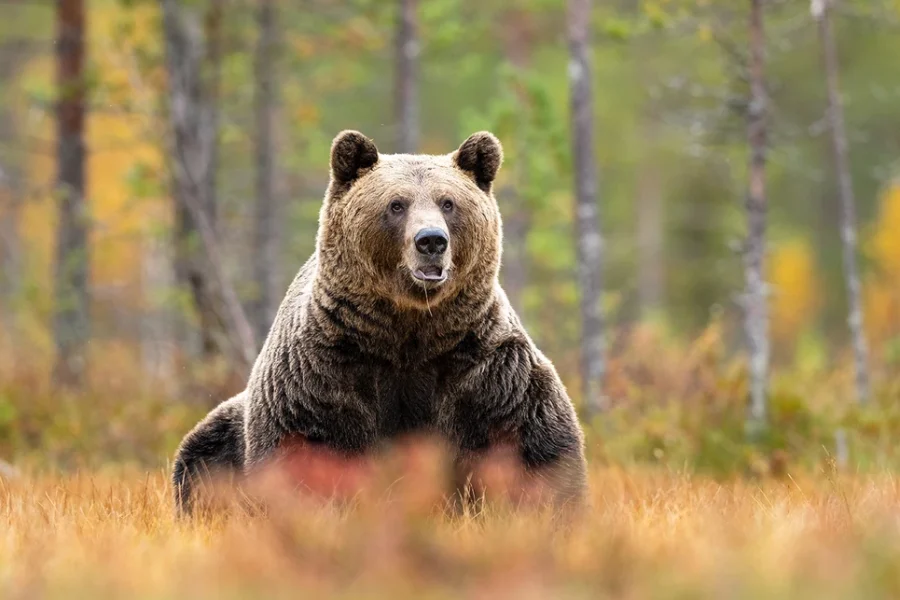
(162, 165)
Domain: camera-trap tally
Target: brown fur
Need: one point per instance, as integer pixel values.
(361, 352)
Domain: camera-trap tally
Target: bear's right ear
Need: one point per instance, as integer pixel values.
(481, 155)
(351, 152)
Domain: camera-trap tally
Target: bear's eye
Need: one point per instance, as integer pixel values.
(447, 205)
(397, 207)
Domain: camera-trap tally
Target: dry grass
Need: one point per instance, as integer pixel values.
(650, 534)
(105, 528)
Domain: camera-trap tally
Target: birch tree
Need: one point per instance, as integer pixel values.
(407, 77)
(192, 41)
(265, 244)
(755, 299)
(821, 11)
(193, 149)
(517, 34)
(589, 241)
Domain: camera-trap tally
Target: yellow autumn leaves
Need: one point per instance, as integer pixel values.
(797, 293)
(882, 289)
(119, 137)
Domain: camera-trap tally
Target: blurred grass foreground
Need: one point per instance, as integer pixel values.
(651, 534)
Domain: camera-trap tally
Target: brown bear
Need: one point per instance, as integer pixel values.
(397, 324)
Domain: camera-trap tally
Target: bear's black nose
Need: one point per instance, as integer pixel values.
(431, 241)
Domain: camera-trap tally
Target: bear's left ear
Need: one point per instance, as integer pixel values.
(351, 152)
(481, 155)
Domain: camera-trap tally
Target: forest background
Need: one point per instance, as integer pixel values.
(129, 308)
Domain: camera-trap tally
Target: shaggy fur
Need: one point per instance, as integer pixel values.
(362, 351)
(214, 446)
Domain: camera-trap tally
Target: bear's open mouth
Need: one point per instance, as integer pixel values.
(430, 274)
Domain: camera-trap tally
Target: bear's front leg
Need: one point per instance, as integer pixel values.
(214, 448)
(342, 425)
(552, 442)
(516, 429)
(312, 443)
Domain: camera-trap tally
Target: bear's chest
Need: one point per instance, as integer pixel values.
(407, 400)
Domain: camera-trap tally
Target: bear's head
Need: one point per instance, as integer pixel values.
(414, 229)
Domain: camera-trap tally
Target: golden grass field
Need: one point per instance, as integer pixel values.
(88, 518)
(649, 534)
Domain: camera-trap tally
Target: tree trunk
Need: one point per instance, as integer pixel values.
(210, 88)
(517, 34)
(407, 78)
(755, 301)
(193, 155)
(265, 243)
(589, 240)
(821, 11)
(200, 94)
(71, 319)
(516, 225)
